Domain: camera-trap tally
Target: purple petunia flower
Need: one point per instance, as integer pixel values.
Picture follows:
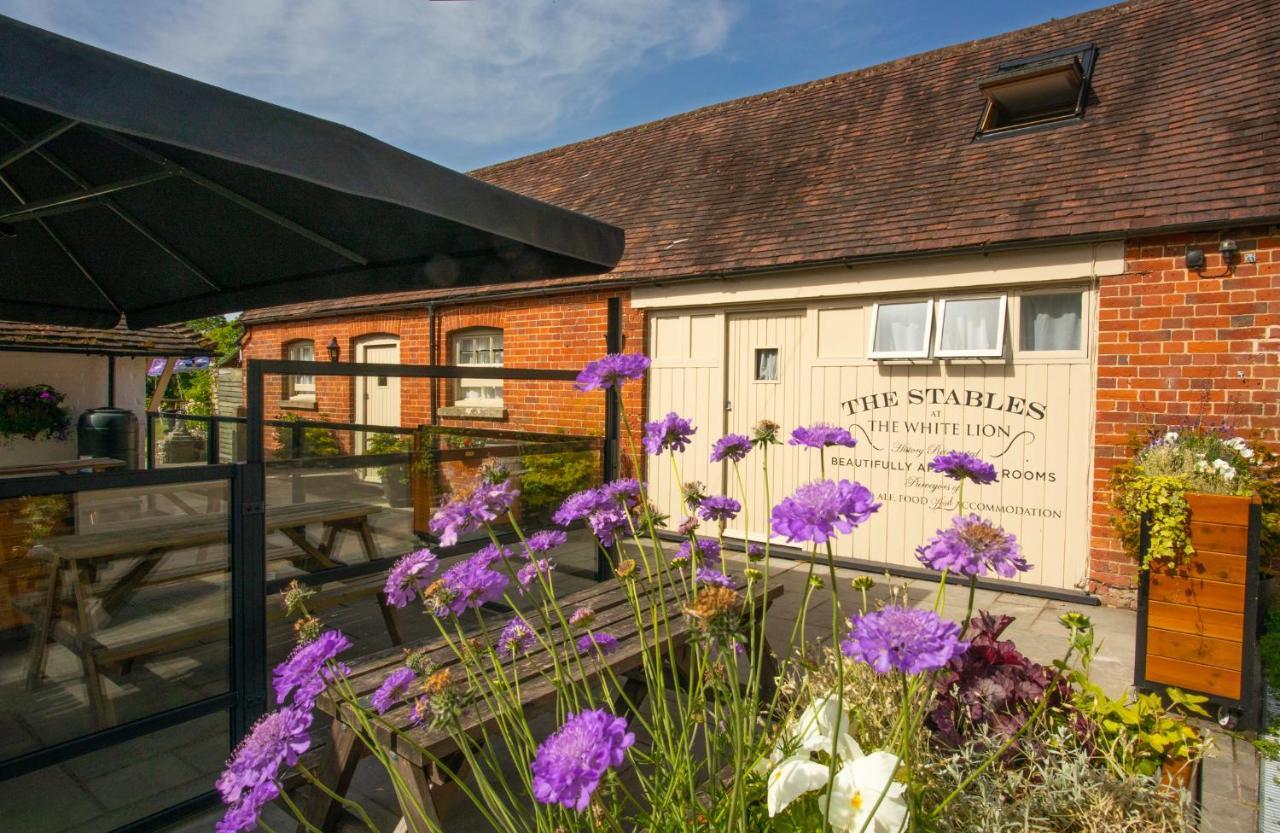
(708, 552)
(719, 508)
(409, 577)
(731, 447)
(578, 506)
(569, 764)
(305, 673)
(517, 637)
(612, 371)
(708, 576)
(546, 540)
(907, 639)
(818, 510)
(821, 435)
(250, 780)
(605, 643)
(972, 546)
(671, 432)
(960, 465)
(537, 567)
(472, 583)
(392, 690)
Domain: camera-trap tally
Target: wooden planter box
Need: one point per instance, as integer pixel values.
(1198, 623)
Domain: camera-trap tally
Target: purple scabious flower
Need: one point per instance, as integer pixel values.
(570, 763)
(605, 643)
(472, 583)
(731, 447)
(392, 690)
(960, 465)
(545, 541)
(452, 520)
(492, 554)
(606, 523)
(305, 673)
(821, 435)
(626, 490)
(671, 432)
(902, 638)
(529, 573)
(612, 371)
(409, 577)
(517, 637)
(582, 616)
(818, 510)
(711, 577)
(491, 501)
(578, 506)
(708, 552)
(755, 551)
(972, 546)
(719, 508)
(250, 779)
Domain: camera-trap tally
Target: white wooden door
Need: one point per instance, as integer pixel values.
(765, 377)
(378, 397)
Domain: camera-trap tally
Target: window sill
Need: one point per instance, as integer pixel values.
(298, 404)
(473, 412)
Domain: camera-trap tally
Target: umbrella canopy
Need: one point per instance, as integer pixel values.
(128, 191)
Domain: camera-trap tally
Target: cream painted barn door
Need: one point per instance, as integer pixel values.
(687, 376)
(764, 380)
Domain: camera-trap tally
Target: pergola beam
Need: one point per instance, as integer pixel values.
(36, 142)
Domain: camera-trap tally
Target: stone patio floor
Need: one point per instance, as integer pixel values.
(1230, 779)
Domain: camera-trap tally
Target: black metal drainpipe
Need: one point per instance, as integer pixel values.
(111, 381)
(610, 463)
(431, 360)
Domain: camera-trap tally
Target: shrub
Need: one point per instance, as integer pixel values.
(549, 478)
(316, 441)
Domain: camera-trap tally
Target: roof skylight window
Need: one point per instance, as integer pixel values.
(1036, 91)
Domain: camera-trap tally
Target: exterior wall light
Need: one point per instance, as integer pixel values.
(1227, 248)
(333, 349)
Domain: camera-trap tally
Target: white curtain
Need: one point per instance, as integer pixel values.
(971, 324)
(1051, 322)
(900, 327)
(767, 365)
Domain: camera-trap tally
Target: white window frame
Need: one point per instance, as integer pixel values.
(455, 345)
(1086, 312)
(296, 390)
(755, 367)
(922, 353)
(984, 353)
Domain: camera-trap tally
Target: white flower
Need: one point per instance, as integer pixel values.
(792, 778)
(1241, 445)
(821, 726)
(1170, 437)
(856, 796)
(1246, 453)
(1225, 469)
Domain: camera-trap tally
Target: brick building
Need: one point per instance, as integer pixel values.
(982, 246)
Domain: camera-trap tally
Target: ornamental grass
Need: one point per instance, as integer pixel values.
(904, 721)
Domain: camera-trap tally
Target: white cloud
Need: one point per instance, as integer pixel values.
(481, 72)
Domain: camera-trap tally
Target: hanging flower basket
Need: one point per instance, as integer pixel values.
(34, 413)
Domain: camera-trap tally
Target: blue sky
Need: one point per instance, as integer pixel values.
(470, 82)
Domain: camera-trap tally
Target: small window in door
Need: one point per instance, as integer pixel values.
(766, 364)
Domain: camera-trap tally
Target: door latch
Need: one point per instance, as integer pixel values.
(728, 404)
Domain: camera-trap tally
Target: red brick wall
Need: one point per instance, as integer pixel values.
(555, 331)
(1175, 348)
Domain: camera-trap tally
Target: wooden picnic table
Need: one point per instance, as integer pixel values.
(148, 541)
(62, 466)
(429, 789)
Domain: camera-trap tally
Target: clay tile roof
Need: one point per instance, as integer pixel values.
(168, 340)
(1182, 128)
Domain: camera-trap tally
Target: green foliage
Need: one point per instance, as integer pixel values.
(1269, 649)
(41, 515)
(195, 388)
(384, 443)
(1141, 732)
(35, 412)
(316, 441)
(550, 478)
(1163, 499)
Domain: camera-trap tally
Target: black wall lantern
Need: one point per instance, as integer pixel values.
(1227, 248)
(333, 349)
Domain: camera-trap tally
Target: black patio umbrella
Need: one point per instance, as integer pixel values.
(129, 191)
